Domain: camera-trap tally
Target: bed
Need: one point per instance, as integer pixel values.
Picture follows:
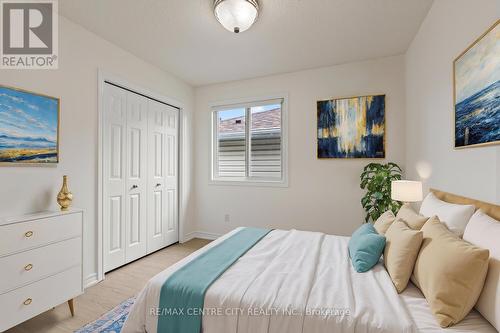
(424, 320)
(300, 281)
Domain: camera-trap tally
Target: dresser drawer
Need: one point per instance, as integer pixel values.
(32, 265)
(21, 236)
(24, 303)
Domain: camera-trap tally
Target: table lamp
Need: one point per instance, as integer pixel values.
(406, 191)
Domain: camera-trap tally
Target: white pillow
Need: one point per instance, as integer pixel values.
(454, 216)
(484, 231)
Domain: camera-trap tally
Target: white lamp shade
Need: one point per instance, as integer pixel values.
(236, 15)
(406, 191)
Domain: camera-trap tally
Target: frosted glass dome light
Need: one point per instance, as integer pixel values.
(236, 15)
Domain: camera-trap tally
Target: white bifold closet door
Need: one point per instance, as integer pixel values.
(162, 183)
(140, 176)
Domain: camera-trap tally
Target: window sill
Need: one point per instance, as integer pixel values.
(254, 183)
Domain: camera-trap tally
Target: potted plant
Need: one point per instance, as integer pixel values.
(376, 179)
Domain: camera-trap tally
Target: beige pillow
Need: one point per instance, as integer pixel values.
(484, 231)
(384, 222)
(411, 217)
(401, 249)
(450, 272)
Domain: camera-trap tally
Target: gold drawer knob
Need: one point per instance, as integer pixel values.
(28, 234)
(28, 301)
(28, 267)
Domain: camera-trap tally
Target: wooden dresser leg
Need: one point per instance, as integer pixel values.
(71, 307)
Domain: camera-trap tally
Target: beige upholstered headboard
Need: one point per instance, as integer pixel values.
(490, 209)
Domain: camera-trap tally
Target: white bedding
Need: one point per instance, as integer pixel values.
(286, 273)
(425, 321)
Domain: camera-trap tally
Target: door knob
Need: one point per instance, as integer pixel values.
(158, 185)
(134, 186)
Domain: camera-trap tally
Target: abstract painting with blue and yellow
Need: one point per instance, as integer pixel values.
(352, 127)
(477, 91)
(28, 127)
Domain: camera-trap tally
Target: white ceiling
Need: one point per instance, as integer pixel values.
(184, 38)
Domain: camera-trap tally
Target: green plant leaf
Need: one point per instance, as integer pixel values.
(376, 179)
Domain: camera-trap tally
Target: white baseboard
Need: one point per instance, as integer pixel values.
(90, 280)
(202, 235)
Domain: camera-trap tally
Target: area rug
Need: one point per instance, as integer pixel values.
(110, 322)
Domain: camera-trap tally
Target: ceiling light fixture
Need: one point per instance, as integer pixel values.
(236, 15)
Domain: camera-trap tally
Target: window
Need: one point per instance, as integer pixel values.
(248, 143)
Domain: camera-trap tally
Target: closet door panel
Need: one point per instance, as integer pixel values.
(136, 177)
(115, 109)
(171, 177)
(156, 182)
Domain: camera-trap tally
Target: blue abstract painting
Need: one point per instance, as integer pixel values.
(352, 127)
(477, 92)
(28, 127)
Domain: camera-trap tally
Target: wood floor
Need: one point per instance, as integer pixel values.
(118, 286)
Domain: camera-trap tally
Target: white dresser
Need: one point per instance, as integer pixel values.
(40, 264)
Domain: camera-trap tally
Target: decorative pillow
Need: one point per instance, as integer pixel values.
(450, 272)
(384, 222)
(484, 232)
(454, 216)
(411, 217)
(365, 247)
(401, 249)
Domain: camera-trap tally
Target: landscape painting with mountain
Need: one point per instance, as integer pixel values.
(28, 127)
(477, 92)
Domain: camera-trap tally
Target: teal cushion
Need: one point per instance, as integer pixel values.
(365, 247)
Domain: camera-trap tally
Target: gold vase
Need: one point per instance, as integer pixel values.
(65, 197)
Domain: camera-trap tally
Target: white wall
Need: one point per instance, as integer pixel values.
(323, 195)
(449, 28)
(30, 189)
(498, 175)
